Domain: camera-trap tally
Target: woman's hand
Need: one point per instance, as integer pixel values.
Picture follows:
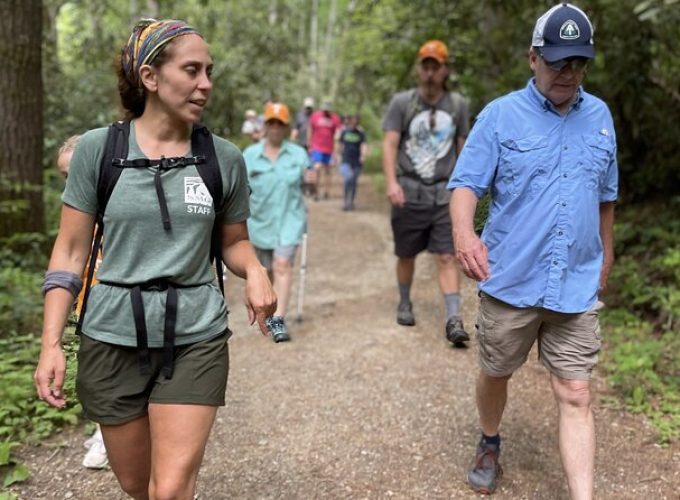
(260, 297)
(49, 376)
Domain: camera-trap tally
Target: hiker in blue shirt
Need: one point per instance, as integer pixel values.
(278, 214)
(547, 155)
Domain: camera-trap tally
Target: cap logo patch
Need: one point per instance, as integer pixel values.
(569, 30)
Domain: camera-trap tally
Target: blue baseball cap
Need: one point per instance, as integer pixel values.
(564, 31)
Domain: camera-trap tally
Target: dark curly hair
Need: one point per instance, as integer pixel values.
(133, 95)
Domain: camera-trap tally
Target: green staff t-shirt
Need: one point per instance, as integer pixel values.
(137, 249)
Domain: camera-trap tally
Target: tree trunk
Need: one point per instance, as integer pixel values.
(21, 126)
(314, 47)
(328, 66)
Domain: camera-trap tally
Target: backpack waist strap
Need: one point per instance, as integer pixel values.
(161, 285)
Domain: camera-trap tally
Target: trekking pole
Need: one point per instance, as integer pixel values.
(301, 284)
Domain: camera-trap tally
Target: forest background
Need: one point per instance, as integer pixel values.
(58, 80)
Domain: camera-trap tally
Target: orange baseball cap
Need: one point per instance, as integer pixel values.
(277, 111)
(433, 49)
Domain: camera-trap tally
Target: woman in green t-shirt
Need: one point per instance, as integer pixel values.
(155, 398)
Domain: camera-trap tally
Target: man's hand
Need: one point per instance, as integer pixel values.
(472, 255)
(395, 194)
(604, 273)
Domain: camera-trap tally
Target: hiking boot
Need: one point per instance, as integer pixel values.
(405, 314)
(486, 472)
(278, 329)
(455, 331)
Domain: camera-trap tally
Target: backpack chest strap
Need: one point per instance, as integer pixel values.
(161, 165)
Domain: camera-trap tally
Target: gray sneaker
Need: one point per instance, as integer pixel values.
(455, 331)
(277, 327)
(405, 314)
(485, 473)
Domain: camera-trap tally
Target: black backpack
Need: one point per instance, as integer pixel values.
(112, 164)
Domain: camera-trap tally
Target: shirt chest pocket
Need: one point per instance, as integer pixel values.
(599, 153)
(292, 175)
(261, 182)
(523, 165)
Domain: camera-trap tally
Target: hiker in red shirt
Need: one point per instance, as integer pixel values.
(324, 126)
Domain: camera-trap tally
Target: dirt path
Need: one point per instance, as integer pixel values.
(357, 407)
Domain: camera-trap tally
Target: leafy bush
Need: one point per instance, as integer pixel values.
(644, 369)
(644, 318)
(23, 417)
(646, 275)
(373, 162)
(20, 301)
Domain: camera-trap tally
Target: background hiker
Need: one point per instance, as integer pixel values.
(547, 153)
(278, 214)
(299, 132)
(352, 150)
(324, 126)
(424, 129)
(155, 316)
(251, 127)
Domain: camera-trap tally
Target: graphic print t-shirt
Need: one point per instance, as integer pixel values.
(352, 139)
(428, 142)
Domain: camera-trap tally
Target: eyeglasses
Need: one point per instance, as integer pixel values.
(576, 64)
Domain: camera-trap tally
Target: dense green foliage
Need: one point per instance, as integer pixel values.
(362, 52)
(644, 320)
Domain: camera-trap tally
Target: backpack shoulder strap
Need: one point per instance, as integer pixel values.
(202, 145)
(209, 170)
(116, 146)
(458, 101)
(412, 109)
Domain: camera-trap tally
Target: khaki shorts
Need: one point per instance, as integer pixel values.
(266, 257)
(112, 390)
(568, 344)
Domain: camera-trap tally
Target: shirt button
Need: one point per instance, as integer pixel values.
(560, 233)
(564, 175)
(566, 147)
(564, 204)
(554, 262)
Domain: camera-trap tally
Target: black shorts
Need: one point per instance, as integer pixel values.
(417, 228)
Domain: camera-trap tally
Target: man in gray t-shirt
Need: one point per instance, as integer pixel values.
(299, 130)
(424, 130)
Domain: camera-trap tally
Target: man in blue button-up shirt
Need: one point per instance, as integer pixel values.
(547, 154)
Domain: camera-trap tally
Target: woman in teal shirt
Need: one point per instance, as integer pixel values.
(278, 215)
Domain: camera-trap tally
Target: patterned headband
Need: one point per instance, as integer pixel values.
(147, 40)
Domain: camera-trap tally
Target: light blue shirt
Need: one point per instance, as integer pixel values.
(278, 216)
(548, 174)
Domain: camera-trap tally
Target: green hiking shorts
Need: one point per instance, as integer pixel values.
(113, 391)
